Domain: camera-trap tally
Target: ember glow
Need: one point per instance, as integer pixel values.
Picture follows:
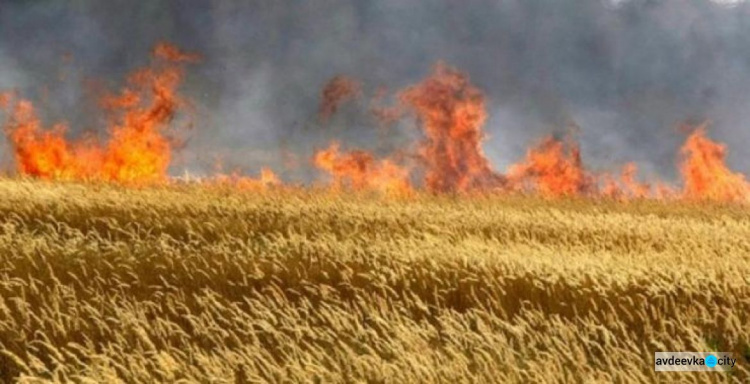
(449, 112)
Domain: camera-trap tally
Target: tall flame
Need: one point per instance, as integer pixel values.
(138, 150)
(452, 114)
(705, 173)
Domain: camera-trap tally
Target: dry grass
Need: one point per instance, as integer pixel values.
(187, 284)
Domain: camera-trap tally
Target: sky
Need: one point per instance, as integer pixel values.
(628, 73)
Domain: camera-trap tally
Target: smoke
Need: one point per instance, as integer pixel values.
(625, 72)
(9, 76)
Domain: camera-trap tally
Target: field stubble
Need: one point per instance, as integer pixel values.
(198, 284)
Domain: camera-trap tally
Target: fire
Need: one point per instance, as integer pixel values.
(452, 113)
(40, 153)
(552, 168)
(633, 187)
(359, 170)
(626, 186)
(268, 179)
(138, 150)
(705, 173)
(337, 91)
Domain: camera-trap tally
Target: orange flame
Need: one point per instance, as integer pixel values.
(266, 180)
(268, 177)
(137, 151)
(452, 113)
(553, 168)
(44, 154)
(633, 187)
(627, 186)
(359, 170)
(705, 173)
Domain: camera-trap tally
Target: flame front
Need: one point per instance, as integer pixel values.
(626, 186)
(268, 179)
(359, 170)
(44, 154)
(450, 113)
(138, 150)
(553, 168)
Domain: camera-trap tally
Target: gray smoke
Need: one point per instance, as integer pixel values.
(627, 72)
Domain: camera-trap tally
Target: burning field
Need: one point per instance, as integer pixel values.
(425, 264)
(446, 108)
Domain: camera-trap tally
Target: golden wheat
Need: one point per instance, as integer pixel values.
(199, 284)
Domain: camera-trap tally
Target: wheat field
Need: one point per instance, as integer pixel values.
(190, 283)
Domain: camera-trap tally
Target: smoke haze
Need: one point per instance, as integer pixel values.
(626, 72)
